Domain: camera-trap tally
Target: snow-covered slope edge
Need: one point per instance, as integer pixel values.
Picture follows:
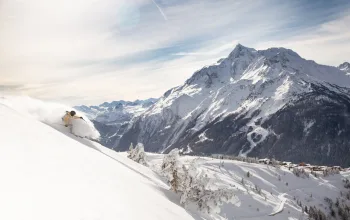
(51, 114)
(267, 103)
(47, 174)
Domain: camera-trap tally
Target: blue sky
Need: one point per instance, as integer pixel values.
(87, 51)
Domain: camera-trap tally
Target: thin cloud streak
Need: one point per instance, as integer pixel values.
(160, 10)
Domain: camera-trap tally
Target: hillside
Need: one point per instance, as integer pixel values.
(269, 192)
(47, 173)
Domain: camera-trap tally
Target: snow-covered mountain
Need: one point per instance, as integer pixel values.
(116, 112)
(111, 118)
(49, 173)
(265, 103)
(345, 67)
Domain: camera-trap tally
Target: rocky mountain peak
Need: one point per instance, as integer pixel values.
(241, 51)
(345, 67)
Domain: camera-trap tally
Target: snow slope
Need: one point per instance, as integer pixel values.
(50, 114)
(280, 188)
(47, 173)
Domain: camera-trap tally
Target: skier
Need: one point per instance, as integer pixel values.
(69, 116)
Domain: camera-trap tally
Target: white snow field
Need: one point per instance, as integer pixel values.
(51, 174)
(48, 173)
(280, 188)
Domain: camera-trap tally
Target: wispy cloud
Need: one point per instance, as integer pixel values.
(329, 43)
(121, 49)
(160, 10)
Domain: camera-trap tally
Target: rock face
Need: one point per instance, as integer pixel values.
(345, 67)
(111, 119)
(264, 103)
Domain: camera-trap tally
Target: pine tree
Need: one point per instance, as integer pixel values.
(171, 167)
(138, 154)
(332, 212)
(131, 150)
(242, 182)
(337, 203)
(193, 185)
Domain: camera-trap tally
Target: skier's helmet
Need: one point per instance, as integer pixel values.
(72, 113)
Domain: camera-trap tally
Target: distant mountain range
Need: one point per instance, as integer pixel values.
(258, 103)
(111, 118)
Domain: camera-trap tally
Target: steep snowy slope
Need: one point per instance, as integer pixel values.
(51, 174)
(50, 114)
(260, 103)
(111, 119)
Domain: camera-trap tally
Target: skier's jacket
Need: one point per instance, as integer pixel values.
(67, 118)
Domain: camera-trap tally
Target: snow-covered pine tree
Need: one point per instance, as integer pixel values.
(131, 148)
(173, 170)
(207, 200)
(194, 186)
(138, 154)
(197, 190)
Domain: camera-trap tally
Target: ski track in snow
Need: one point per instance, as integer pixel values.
(280, 207)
